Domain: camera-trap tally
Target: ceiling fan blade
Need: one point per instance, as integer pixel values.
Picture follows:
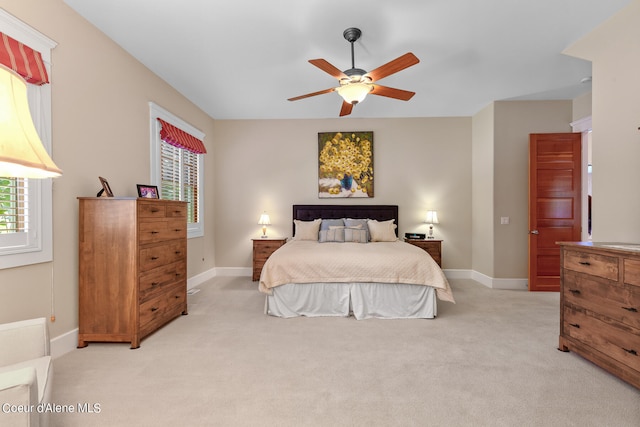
(346, 109)
(312, 94)
(328, 68)
(398, 64)
(390, 92)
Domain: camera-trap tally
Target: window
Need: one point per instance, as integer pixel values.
(26, 204)
(176, 170)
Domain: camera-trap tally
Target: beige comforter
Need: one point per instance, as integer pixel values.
(380, 262)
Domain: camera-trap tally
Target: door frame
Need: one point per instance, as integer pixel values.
(584, 126)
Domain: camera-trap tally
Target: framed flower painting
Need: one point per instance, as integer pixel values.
(345, 164)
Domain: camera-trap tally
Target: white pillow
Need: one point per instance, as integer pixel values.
(382, 231)
(307, 230)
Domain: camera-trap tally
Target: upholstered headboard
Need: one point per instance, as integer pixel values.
(377, 212)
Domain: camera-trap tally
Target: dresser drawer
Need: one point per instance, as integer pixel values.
(618, 343)
(151, 209)
(264, 249)
(618, 302)
(632, 271)
(160, 231)
(162, 308)
(176, 210)
(158, 279)
(158, 255)
(593, 264)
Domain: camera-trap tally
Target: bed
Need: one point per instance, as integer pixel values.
(347, 260)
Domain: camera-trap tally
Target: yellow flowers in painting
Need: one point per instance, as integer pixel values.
(345, 164)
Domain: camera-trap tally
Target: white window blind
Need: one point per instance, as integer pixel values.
(177, 171)
(14, 205)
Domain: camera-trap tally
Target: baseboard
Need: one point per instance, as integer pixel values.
(198, 279)
(493, 283)
(64, 343)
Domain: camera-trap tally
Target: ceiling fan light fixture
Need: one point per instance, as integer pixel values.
(354, 93)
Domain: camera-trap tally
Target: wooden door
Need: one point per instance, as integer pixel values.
(554, 204)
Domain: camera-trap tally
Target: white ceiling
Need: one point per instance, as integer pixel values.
(242, 59)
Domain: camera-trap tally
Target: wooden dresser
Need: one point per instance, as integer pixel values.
(600, 306)
(431, 246)
(132, 267)
(262, 249)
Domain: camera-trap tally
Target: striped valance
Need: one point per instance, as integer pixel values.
(23, 60)
(179, 138)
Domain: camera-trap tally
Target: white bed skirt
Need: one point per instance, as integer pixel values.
(363, 300)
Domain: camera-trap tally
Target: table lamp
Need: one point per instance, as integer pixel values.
(264, 221)
(432, 218)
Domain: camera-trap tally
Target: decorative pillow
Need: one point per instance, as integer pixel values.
(327, 223)
(382, 231)
(355, 234)
(335, 233)
(307, 230)
(358, 223)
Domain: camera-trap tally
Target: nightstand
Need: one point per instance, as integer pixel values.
(432, 246)
(262, 249)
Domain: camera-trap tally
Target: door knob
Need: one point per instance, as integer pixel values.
(534, 232)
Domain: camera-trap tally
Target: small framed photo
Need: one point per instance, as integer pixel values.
(148, 191)
(106, 189)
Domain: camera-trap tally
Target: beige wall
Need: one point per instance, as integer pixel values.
(614, 49)
(100, 123)
(482, 175)
(269, 165)
(514, 121)
(582, 107)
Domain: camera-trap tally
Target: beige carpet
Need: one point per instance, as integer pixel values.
(489, 360)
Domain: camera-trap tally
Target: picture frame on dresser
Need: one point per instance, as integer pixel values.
(148, 191)
(106, 188)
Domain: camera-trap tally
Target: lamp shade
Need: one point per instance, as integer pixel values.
(264, 219)
(354, 92)
(432, 217)
(21, 151)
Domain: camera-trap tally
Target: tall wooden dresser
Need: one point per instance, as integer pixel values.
(600, 305)
(132, 267)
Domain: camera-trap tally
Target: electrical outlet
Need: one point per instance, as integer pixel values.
(504, 220)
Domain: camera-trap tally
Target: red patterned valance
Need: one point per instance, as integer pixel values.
(23, 60)
(179, 138)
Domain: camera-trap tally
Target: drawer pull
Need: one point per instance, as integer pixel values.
(153, 258)
(154, 232)
(631, 309)
(177, 230)
(177, 296)
(635, 353)
(585, 263)
(575, 325)
(154, 309)
(575, 291)
(177, 252)
(154, 210)
(155, 283)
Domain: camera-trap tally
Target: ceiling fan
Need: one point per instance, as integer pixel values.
(356, 84)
